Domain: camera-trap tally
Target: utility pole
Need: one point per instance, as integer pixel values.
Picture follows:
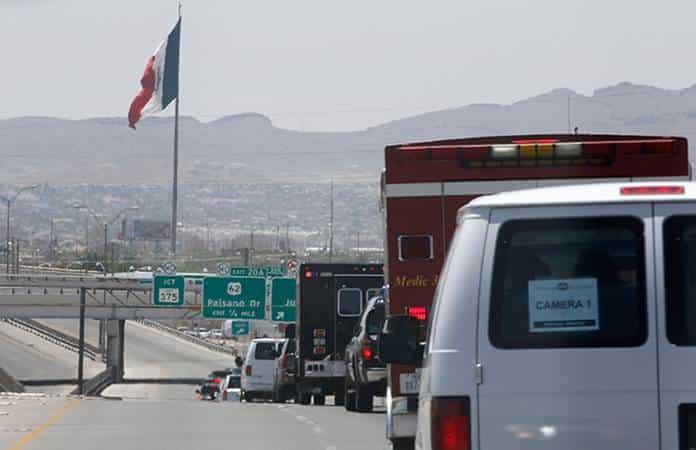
(7, 237)
(51, 239)
(277, 241)
(568, 114)
(86, 238)
(357, 248)
(331, 224)
(106, 240)
(287, 237)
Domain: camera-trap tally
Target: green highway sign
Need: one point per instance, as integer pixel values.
(283, 291)
(168, 290)
(234, 297)
(240, 328)
(265, 271)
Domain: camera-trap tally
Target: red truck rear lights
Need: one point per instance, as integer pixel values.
(367, 353)
(652, 190)
(450, 427)
(417, 312)
(247, 371)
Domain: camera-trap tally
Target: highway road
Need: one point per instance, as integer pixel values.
(186, 425)
(27, 356)
(162, 417)
(150, 353)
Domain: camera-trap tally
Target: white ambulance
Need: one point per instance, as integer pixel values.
(565, 318)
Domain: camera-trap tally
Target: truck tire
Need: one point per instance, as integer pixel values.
(319, 399)
(403, 444)
(349, 396)
(304, 398)
(364, 399)
(339, 397)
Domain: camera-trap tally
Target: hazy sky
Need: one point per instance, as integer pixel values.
(329, 65)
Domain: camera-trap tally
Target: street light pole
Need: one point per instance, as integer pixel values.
(9, 202)
(106, 233)
(7, 237)
(105, 224)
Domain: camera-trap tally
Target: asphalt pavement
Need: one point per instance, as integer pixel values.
(174, 424)
(163, 416)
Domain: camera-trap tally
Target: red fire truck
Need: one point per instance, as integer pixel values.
(424, 184)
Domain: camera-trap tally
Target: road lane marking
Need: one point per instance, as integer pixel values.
(27, 438)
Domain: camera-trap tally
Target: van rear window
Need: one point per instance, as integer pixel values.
(680, 279)
(569, 283)
(265, 350)
(349, 302)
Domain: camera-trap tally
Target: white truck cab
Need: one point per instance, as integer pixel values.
(565, 318)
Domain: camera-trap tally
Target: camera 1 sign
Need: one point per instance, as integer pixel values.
(168, 290)
(234, 297)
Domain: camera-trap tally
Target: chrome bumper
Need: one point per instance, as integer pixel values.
(401, 423)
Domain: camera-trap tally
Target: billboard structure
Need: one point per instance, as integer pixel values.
(151, 230)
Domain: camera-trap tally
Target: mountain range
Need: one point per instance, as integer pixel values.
(248, 148)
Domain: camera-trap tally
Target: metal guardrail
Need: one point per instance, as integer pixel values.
(193, 339)
(184, 381)
(52, 336)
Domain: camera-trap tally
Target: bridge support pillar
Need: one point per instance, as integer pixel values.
(115, 334)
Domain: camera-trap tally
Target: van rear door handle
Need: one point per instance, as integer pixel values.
(478, 373)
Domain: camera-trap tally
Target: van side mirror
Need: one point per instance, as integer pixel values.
(399, 341)
(290, 331)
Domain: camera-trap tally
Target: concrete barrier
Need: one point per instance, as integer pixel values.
(95, 385)
(186, 337)
(8, 383)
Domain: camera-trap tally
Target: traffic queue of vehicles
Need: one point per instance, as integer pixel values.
(424, 185)
(538, 285)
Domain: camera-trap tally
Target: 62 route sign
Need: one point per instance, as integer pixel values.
(283, 304)
(168, 290)
(234, 297)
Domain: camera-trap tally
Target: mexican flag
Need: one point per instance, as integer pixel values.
(160, 82)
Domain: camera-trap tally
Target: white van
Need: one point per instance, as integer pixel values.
(565, 318)
(259, 367)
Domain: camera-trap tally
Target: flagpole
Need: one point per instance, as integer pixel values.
(175, 178)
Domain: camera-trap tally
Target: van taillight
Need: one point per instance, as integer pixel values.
(450, 427)
(248, 371)
(367, 352)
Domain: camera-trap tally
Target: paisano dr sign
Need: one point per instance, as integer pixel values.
(234, 297)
